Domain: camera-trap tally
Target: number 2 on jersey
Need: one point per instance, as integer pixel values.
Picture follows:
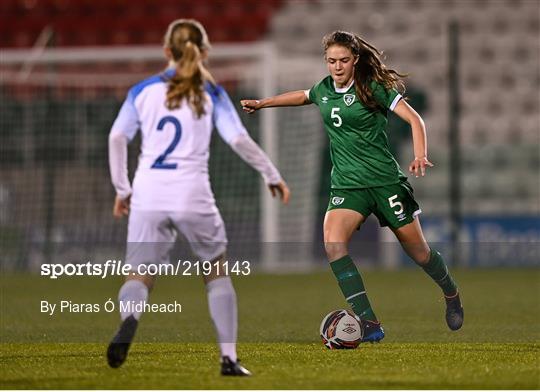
(158, 164)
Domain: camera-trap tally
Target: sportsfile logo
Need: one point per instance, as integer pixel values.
(337, 200)
(119, 268)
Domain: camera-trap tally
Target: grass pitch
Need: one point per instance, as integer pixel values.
(498, 347)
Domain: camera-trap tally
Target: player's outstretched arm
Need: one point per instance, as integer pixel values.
(233, 132)
(246, 148)
(292, 98)
(418, 128)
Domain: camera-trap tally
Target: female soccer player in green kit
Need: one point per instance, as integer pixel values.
(353, 101)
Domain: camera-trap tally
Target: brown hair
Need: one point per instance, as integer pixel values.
(186, 38)
(368, 68)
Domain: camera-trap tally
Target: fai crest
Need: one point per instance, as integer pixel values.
(337, 200)
(349, 99)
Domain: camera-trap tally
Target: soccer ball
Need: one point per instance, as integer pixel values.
(341, 329)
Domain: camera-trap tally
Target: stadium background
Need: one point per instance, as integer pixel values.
(66, 67)
(55, 195)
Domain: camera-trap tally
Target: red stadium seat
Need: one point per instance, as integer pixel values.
(129, 22)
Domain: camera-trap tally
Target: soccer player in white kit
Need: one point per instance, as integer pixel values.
(175, 112)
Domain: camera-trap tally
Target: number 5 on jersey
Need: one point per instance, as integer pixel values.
(394, 203)
(158, 164)
(334, 115)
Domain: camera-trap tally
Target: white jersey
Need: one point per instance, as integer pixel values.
(172, 172)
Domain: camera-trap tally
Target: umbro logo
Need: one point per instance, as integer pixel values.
(337, 200)
(349, 99)
(324, 99)
(401, 217)
(349, 330)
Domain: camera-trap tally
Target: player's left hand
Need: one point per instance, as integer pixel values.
(282, 189)
(419, 165)
(121, 207)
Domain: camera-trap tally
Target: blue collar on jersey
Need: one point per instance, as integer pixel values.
(168, 73)
(213, 90)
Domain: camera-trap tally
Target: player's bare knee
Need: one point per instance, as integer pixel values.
(146, 279)
(421, 256)
(335, 250)
(217, 271)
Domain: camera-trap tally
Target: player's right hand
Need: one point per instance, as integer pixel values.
(282, 189)
(250, 105)
(121, 207)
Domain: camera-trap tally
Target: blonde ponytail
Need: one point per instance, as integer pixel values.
(185, 38)
(207, 75)
(188, 81)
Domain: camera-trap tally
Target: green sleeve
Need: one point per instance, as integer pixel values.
(386, 98)
(313, 97)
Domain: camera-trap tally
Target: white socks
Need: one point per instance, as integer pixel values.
(133, 292)
(221, 302)
(223, 310)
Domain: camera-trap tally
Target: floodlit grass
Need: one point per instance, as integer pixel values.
(498, 347)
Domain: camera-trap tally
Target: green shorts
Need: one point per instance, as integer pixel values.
(393, 205)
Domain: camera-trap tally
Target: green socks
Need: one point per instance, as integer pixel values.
(437, 269)
(353, 289)
(352, 286)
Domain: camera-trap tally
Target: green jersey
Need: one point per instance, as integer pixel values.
(358, 141)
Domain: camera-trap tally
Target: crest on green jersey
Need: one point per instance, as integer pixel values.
(337, 200)
(349, 99)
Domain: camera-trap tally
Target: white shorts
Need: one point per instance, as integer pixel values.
(152, 235)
